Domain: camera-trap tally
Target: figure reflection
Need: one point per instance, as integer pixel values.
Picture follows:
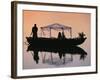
(35, 56)
(61, 52)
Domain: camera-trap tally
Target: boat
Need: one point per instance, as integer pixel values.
(54, 42)
(61, 41)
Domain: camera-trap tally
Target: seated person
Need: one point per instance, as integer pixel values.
(63, 35)
(59, 35)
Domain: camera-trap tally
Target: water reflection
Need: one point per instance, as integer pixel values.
(58, 56)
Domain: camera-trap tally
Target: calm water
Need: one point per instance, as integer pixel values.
(45, 59)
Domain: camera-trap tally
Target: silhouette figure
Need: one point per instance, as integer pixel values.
(81, 35)
(63, 35)
(60, 55)
(36, 56)
(82, 56)
(59, 35)
(34, 31)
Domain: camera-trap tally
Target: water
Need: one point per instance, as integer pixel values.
(69, 57)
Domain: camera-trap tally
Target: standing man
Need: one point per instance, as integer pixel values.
(34, 31)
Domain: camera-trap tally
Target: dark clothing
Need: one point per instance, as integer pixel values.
(36, 57)
(63, 35)
(34, 31)
(81, 35)
(59, 35)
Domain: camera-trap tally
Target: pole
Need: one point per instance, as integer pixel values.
(70, 32)
(51, 58)
(41, 32)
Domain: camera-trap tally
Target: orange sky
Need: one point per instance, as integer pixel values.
(80, 22)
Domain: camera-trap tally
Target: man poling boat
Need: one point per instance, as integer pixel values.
(60, 41)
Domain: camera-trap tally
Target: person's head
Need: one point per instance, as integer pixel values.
(59, 33)
(34, 24)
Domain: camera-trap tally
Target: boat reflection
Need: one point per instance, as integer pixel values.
(61, 54)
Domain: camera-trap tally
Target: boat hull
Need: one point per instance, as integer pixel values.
(54, 42)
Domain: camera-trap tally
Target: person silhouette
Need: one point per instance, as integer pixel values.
(59, 35)
(63, 35)
(34, 31)
(60, 55)
(35, 56)
(81, 35)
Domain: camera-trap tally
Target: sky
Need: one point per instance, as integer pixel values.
(80, 22)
